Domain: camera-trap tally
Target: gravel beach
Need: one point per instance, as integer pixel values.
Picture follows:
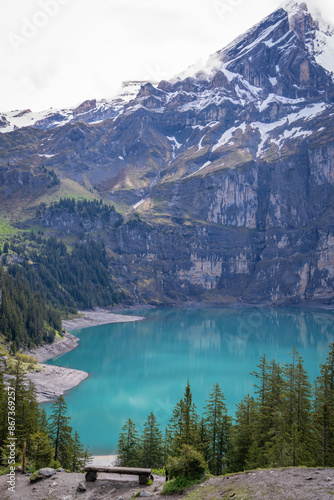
(52, 381)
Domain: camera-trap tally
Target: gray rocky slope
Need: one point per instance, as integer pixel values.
(226, 171)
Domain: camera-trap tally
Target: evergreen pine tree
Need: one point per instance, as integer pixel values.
(324, 412)
(78, 454)
(175, 429)
(190, 418)
(19, 384)
(32, 413)
(267, 444)
(297, 411)
(242, 452)
(262, 387)
(43, 422)
(87, 456)
(203, 445)
(167, 445)
(183, 426)
(60, 432)
(40, 450)
(218, 425)
(152, 444)
(275, 449)
(128, 446)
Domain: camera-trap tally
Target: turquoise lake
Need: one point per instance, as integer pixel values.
(143, 366)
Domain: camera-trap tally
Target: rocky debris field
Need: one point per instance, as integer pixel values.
(52, 381)
(58, 347)
(275, 484)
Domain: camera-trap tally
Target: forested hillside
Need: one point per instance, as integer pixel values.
(25, 318)
(42, 278)
(68, 279)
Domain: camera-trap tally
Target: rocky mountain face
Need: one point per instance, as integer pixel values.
(225, 174)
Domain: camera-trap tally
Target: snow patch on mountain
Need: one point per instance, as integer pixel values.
(265, 129)
(322, 47)
(304, 114)
(137, 205)
(278, 99)
(177, 144)
(291, 134)
(308, 112)
(228, 135)
(264, 35)
(270, 43)
(199, 170)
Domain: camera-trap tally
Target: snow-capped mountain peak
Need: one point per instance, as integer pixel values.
(292, 7)
(308, 22)
(91, 111)
(292, 18)
(282, 62)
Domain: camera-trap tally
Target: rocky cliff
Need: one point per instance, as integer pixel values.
(224, 174)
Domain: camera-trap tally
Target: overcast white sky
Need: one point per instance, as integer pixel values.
(61, 52)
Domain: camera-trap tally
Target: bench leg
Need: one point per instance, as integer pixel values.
(91, 476)
(143, 479)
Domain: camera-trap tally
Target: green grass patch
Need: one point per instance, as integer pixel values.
(178, 485)
(136, 495)
(7, 229)
(4, 349)
(6, 470)
(159, 472)
(24, 358)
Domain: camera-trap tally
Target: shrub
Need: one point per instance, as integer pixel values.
(36, 476)
(189, 464)
(178, 485)
(159, 472)
(25, 358)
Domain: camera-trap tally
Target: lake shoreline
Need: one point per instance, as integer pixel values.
(104, 460)
(52, 381)
(98, 317)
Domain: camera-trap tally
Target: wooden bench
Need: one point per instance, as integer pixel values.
(92, 471)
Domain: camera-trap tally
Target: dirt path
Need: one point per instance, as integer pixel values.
(63, 486)
(271, 484)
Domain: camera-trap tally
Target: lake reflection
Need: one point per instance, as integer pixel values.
(139, 367)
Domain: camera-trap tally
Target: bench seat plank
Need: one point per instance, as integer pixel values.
(118, 470)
